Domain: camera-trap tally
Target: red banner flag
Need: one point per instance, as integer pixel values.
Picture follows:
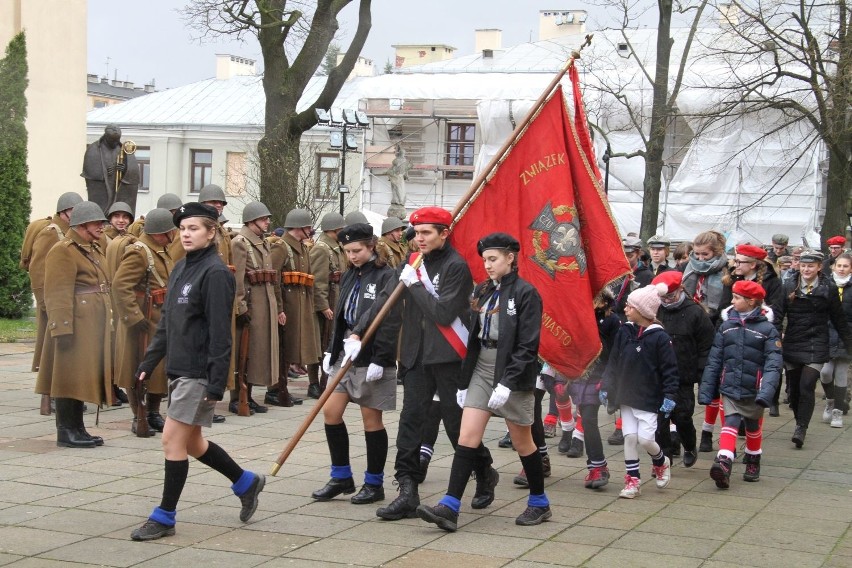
(546, 191)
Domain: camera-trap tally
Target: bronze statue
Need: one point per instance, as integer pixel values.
(105, 159)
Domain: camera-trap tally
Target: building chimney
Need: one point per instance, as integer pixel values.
(487, 38)
(559, 23)
(228, 66)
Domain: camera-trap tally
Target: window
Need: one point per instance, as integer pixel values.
(202, 169)
(328, 166)
(143, 158)
(100, 104)
(235, 177)
(460, 139)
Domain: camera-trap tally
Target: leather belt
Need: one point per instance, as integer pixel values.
(94, 289)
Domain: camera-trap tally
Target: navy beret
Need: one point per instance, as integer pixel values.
(498, 241)
(194, 209)
(355, 232)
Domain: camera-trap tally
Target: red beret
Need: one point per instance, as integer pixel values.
(751, 251)
(749, 289)
(671, 278)
(838, 240)
(431, 215)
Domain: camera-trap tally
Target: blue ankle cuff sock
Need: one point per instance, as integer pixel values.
(163, 517)
(374, 478)
(341, 471)
(243, 483)
(450, 502)
(538, 501)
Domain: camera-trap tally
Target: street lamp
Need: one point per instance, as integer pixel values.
(343, 140)
(606, 156)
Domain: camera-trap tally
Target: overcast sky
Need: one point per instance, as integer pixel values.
(146, 40)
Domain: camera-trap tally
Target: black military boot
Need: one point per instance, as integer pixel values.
(67, 434)
(81, 427)
(405, 505)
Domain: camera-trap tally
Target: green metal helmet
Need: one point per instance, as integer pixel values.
(255, 210)
(298, 218)
(68, 200)
(86, 212)
(332, 221)
(392, 223)
(159, 221)
(211, 192)
(119, 206)
(169, 201)
(355, 217)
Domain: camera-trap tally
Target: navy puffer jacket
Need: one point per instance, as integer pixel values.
(745, 360)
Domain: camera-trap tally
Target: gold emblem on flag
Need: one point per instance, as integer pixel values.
(561, 227)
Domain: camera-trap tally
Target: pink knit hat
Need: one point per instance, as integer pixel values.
(647, 300)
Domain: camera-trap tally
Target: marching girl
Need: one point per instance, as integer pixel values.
(371, 381)
(834, 375)
(498, 378)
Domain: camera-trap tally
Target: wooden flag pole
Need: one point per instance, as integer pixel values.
(510, 141)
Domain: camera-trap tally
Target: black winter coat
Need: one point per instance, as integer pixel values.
(382, 348)
(837, 349)
(642, 368)
(806, 337)
(692, 334)
(745, 361)
(519, 318)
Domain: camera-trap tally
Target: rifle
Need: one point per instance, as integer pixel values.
(141, 387)
(242, 370)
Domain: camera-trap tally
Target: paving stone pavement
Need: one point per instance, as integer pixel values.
(67, 507)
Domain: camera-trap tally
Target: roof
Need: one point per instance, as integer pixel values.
(111, 91)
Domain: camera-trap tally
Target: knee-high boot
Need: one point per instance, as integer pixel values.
(67, 434)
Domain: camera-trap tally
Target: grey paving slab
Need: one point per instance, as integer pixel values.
(108, 552)
(191, 556)
(767, 557)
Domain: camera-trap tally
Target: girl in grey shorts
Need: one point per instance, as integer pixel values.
(498, 378)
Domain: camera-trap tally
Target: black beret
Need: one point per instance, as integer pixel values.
(194, 209)
(498, 241)
(355, 232)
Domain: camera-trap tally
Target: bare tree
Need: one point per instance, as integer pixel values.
(293, 47)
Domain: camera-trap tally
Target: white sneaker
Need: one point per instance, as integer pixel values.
(663, 473)
(837, 418)
(826, 414)
(631, 487)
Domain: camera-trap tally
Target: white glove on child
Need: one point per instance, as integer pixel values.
(374, 372)
(326, 364)
(461, 395)
(351, 348)
(499, 397)
(408, 275)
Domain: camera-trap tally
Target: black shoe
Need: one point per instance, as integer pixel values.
(689, 458)
(706, 444)
(273, 399)
(485, 485)
(576, 449)
(249, 498)
(440, 515)
(799, 436)
(565, 443)
(720, 472)
(156, 421)
(405, 504)
(96, 439)
(133, 429)
(368, 494)
(752, 470)
(533, 516)
(68, 438)
(314, 390)
(119, 395)
(234, 408)
(616, 438)
(675, 443)
(505, 441)
(333, 488)
(218, 419)
(255, 407)
(424, 464)
(773, 410)
(152, 530)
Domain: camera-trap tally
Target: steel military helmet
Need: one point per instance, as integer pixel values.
(119, 207)
(391, 224)
(332, 221)
(86, 212)
(355, 217)
(169, 201)
(298, 218)
(255, 210)
(159, 221)
(68, 200)
(211, 192)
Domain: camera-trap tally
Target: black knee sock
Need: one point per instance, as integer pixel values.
(535, 472)
(173, 483)
(218, 459)
(338, 443)
(828, 389)
(377, 450)
(464, 461)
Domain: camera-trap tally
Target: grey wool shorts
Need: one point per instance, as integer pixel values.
(187, 402)
(517, 410)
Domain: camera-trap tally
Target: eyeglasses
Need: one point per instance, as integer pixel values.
(744, 262)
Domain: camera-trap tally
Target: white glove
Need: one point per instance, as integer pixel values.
(539, 384)
(460, 396)
(374, 372)
(546, 369)
(499, 397)
(326, 364)
(351, 348)
(408, 276)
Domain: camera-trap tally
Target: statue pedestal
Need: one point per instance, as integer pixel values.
(396, 210)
